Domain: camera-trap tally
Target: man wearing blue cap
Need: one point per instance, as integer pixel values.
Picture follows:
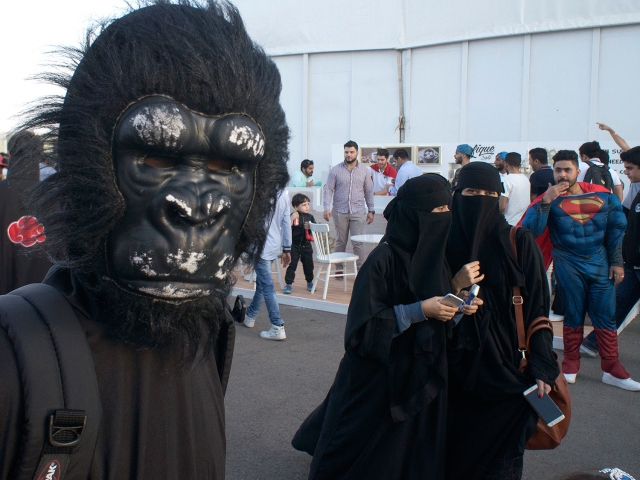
(463, 156)
(500, 165)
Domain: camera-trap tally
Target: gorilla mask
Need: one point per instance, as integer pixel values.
(171, 146)
(187, 180)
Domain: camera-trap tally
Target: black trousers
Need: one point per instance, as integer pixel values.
(300, 253)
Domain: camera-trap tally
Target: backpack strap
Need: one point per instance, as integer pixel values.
(62, 402)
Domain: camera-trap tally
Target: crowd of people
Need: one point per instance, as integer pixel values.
(116, 357)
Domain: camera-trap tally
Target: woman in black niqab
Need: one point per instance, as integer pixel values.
(385, 415)
(489, 419)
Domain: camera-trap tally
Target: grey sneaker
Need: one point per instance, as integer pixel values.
(286, 289)
(249, 322)
(275, 333)
(310, 286)
(588, 347)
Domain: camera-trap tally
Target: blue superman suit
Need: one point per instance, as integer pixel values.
(586, 233)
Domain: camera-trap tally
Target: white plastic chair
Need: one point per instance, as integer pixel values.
(320, 232)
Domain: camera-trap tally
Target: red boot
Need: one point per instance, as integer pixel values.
(608, 349)
(572, 339)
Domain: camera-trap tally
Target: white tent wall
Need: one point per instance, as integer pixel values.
(546, 89)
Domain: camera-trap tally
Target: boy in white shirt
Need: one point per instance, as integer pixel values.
(516, 198)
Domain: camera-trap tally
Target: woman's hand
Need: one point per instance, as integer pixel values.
(475, 303)
(432, 308)
(468, 275)
(542, 388)
(294, 216)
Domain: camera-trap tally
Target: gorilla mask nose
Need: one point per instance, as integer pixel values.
(189, 210)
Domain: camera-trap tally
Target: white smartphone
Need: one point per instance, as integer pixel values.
(544, 407)
(451, 300)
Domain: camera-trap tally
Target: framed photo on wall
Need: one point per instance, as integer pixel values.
(392, 149)
(368, 155)
(427, 155)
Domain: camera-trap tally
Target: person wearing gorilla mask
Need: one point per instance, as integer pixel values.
(171, 148)
(385, 415)
(489, 420)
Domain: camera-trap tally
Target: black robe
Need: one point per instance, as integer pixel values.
(489, 418)
(158, 420)
(385, 415)
(18, 265)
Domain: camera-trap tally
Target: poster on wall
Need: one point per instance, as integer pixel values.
(368, 155)
(428, 155)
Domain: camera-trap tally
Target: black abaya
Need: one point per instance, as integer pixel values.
(385, 415)
(489, 419)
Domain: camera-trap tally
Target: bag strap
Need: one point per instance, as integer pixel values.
(517, 301)
(62, 402)
(540, 323)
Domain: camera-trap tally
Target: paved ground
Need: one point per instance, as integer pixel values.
(275, 385)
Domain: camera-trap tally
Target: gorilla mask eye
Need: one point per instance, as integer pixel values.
(219, 164)
(157, 161)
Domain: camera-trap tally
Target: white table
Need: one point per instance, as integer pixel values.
(367, 238)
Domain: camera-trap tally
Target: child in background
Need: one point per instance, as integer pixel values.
(301, 245)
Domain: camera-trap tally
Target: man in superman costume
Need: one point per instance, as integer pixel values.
(585, 226)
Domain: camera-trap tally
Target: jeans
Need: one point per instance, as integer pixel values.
(265, 290)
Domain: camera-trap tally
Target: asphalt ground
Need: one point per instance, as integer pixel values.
(275, 385)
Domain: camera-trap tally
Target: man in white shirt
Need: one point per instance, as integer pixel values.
(406, 170)
(591, 152)
(515, 199)
(278, 238)
(382, 173)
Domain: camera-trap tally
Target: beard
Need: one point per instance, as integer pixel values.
(146, 322)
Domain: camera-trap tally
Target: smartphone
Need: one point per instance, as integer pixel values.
(473, 293)
(546, 409)
(451, 300)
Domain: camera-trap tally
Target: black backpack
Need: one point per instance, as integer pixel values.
(599, 175)
(62, 408)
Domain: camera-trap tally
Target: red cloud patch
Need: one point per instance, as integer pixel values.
(26, 232)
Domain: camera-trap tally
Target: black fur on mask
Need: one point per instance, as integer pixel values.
(196, 52)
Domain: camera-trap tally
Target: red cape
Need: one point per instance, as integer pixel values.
(389, 171)
(543, 241)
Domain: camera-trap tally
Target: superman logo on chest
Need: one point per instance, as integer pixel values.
(581, 209)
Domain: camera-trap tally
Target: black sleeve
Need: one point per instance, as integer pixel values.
(11, 406)
(543, 363)
(371, 322)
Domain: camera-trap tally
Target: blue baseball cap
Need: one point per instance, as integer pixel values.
(465, 149)
(503, 155)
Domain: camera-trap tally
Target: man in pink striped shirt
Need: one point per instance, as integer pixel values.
(349, 187)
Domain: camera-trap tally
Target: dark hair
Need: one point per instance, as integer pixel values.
(513, 159)
(305, 163)
(299, 198)
(25, 139)
(383, 152)
(603, 155)
(401, 153)
(539, 154)
(631, 156)
(215, 68)
(590, 149)
(570, 155)
(351, 143)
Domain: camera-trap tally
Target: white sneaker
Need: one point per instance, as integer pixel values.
(275, 333)
(626, 384)
(571, 377)
(249, 322)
